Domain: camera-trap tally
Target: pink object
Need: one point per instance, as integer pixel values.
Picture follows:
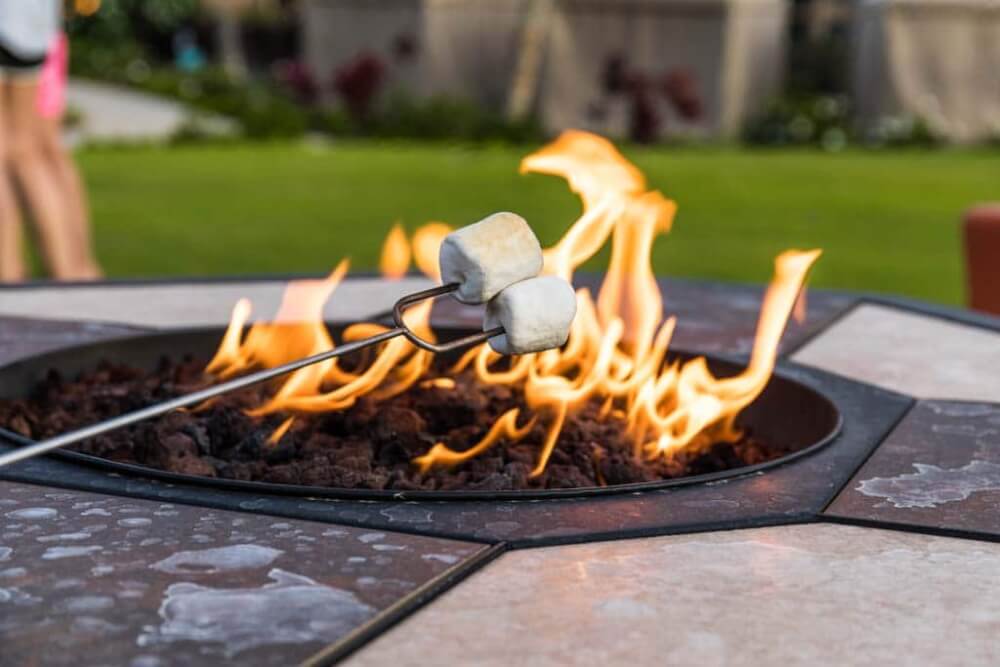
(52, 82)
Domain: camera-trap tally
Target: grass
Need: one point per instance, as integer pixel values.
(888, 221)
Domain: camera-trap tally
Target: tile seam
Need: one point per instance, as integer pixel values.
(956, 533)
(824, 327)
(406, 607)
(881, 441)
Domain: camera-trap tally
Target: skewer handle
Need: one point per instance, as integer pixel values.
(187, 400)
(245, 381)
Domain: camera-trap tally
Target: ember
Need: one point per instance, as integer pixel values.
(367, 446)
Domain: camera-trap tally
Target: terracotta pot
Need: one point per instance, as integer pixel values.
(982, 256)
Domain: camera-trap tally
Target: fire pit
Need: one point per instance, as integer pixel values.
(787, 421)
(613, 408)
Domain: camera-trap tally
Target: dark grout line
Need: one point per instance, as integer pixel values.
(965, 316)
(209, 501)
(821, 329)
(881, 441)
(405, 607)
(209, 504)
(646, 533)
(958, 533)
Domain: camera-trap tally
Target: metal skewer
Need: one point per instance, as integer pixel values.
(202, 395)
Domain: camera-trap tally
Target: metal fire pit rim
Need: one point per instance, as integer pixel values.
(783, 369)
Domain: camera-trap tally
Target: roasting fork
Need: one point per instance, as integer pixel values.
(401, 329)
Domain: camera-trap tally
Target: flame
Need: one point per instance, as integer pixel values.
(505, 427)
(438, 383)
(280, 432)
(298, 331)
(801, 309)
(426, 243)
(395, 258)
(615, 357)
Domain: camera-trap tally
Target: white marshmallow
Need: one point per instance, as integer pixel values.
(489, 255)
(535, 314)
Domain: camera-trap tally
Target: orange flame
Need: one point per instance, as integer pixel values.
(426, 243)
(395, 258)
(615, 355)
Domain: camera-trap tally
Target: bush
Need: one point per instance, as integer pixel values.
(825, 121)
(821, 121)
(404, 117)
(897, 131)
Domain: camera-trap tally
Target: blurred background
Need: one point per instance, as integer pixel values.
(251, 136)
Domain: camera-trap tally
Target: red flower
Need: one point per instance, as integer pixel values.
(358, 82)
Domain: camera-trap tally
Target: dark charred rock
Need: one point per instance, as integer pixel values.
(367, 446)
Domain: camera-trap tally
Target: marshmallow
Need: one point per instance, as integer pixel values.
(535, 314)
(488, 256)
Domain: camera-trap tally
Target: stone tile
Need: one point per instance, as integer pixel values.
(793, 595)
(711, 317)
(939, 469)
(181, 305)
(910, 353)
(117, 581)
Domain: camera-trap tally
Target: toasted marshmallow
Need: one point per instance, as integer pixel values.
(536, 314)
(489, 255)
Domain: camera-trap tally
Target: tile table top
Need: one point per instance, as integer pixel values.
(102, 568)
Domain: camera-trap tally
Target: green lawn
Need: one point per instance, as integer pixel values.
(888, 221)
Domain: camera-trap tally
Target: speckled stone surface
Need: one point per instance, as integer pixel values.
(792, 595)
(100, 580)
(939, 469)
(910, 353)
(179, 305)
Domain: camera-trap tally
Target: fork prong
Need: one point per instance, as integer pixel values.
(437, 348)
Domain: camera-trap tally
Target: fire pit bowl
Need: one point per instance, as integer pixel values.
(788, 413)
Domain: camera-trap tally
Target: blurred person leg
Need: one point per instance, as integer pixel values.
(52, 107)
(75, 200)
(27, 160)
(12, 268)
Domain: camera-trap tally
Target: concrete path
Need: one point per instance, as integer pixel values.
(116, 113)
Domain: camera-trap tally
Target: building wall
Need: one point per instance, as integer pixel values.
(935, 60)
(734, 49)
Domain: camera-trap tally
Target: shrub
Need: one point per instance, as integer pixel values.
(821, 121)
(825, 121)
